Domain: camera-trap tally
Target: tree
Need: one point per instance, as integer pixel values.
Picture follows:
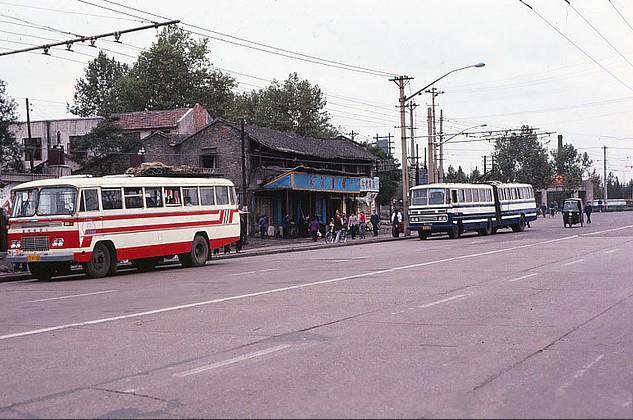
(98, 93)
(521, 158)
(596, 181)
(388, 172)
(10, 150)
(175, 72)
(475, 175)
(571, 166)
(107, 149)
(296, 105)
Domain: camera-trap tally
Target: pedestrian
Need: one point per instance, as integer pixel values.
(375, 222)
(285, 225)
(552, 211)
(338, 226)
(588, 211)
(396, 220)
(362, 224)
(240, 243)
(262, 226)
(543, 210)
(313, 228)
(353, 224)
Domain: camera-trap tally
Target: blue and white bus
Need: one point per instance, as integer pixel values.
(458, 208)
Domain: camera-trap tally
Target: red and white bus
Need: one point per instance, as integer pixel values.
(97, 222)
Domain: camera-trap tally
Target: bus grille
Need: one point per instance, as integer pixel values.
(35, 243)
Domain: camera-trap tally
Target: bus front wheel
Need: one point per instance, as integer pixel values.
(454, 233)
(422, 235)
(41, 271)
(100, 264)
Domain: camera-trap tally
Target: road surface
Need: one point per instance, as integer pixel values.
(531, 324)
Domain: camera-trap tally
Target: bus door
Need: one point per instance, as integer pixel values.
(497, 199)
(89, 216)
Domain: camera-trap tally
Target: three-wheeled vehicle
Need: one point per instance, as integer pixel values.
(572, 212)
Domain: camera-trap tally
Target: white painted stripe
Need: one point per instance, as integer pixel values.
(243, 273)
(580, 373)
(527, 276)
(608, 230)
(281, 289)
(428, 305)
(230, 361)
(611, 251)
(573, 262)
(72, 296)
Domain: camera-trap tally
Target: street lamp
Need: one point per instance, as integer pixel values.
(441, 145)
(401, 81)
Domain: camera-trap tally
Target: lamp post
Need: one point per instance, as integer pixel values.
(401, 81)
(442, 142)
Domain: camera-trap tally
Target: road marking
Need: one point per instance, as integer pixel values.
(580, 373)
(611, 251)
(527, 276)
(278, 290)
(428, 305)
(608, 230)
(72, 296)
(573, 262)
(254, 272)
(230, 361)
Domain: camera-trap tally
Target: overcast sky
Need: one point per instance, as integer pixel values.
(533, 75)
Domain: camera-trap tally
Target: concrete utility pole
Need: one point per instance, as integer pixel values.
(441, 171)
(412, 106)
(242, 141)
(431, 163)
(29, 148)
(605, 183)
(402, 81)
(434, 92)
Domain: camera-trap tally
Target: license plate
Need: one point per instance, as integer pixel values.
(426, 227)
(33, 258)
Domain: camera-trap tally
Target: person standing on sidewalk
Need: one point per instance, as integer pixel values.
(362, 224)
(338, 226)
(375, 222)
(353, 225)
(313, 228)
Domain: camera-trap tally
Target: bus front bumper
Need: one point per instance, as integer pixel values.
(431, 227)
(26, 257)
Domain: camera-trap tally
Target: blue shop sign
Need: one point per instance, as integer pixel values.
(315, 182)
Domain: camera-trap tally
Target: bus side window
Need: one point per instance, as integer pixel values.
(475, 195)
(153, 197)
(133, 197)
(207, 196)
(89, 200)
(222, 195)
(469, 195)
(111, 199)
(190, 196)
(462, 196)
(454, 196)
(172, 196)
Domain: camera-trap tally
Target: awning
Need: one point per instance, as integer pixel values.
(302, 181)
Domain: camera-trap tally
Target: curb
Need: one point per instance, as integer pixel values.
(252, 253)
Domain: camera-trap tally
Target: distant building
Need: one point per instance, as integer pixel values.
(285, 173)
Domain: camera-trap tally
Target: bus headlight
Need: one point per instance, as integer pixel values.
(57, 242)
(442, 218)
(16, 244)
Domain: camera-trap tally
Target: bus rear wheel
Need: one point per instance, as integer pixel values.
(454, 233)
(519, 227)
(101, 261)
(198, 255)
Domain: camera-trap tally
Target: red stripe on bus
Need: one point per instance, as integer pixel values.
(118, 217)
(143, 228)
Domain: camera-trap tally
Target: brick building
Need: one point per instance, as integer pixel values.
(285, 173)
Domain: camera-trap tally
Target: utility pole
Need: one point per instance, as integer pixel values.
(441, 172)
(412, 106)
(417, 166)
(485, 166)
(605, 183)
(242, 140)
(402, 81)
(29, 147)
(434, 92)
(430, 164)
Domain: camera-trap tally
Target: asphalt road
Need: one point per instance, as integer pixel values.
(531, 324)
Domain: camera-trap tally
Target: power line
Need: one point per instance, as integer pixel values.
(621, 15)
(613, 47)
(576, 45)
(255, 45)
(69, 12)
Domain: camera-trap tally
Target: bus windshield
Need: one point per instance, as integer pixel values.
(45, 202)
(428, 196)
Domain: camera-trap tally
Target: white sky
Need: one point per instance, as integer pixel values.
(532, 74)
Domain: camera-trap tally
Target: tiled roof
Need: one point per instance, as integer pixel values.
(336, 148)
(147, 120)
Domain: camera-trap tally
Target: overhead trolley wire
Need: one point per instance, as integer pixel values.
(621, 15)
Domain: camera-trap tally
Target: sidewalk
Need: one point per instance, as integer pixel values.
(257, 246)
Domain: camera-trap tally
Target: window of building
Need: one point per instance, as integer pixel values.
(172, 196)
(190, 196)
(133, 198)
(32, 146)
(111, 199)
(207, 196)
(209, 161)
(222, 195)
(153, 197)
(89, 200)
(75, 150)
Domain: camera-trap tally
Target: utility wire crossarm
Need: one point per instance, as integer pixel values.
(461, 132)
(68, 43)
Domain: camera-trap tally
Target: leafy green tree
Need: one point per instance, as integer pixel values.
(389, 174)
(521, 158)
(175, 72)
(475, 175)
(296, 105)
(571, 165)
(10, 150)
(106, 149)
(98, 93)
